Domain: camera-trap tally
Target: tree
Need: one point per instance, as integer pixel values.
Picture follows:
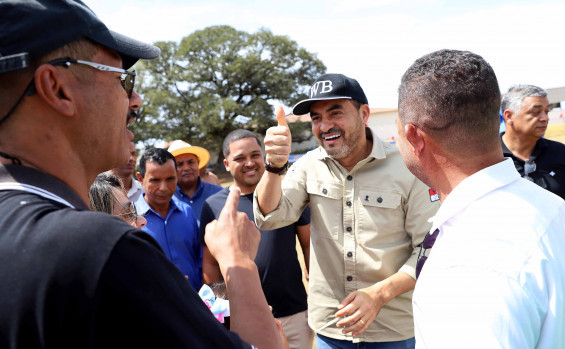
(217, 80)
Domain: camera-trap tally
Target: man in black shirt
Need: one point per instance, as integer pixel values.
(81, 279)
(525, 110)
(277, 260)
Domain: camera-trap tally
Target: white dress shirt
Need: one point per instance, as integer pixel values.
(135, 191)
(495, 277)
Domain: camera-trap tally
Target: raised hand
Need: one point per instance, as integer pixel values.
(278, 141)
(233, 236)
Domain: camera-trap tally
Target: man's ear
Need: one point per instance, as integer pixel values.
(508, 116)
(227, 165)
(365, 112)
(51, 85)
(139, 177)
(415, 137)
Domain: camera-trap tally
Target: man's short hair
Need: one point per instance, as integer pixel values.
(235, 136)
(514, 98)
(101, 195)
(158, 155)
(451, 90)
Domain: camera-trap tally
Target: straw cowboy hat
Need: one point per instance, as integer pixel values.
(179, 147)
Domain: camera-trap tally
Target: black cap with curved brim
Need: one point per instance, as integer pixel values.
(331, 86)
(30, 29)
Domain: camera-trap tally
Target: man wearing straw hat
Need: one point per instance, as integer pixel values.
(190, 187)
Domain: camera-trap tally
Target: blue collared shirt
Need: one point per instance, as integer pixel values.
(177, 235)
(203, 191)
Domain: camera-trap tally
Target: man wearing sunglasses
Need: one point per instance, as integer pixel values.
(489, 281)
(72, 278)
(525, 109)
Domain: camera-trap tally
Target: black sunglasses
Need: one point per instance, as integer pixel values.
(429, 241)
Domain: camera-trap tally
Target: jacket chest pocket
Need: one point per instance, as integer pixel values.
(381, 217)
(326, 209)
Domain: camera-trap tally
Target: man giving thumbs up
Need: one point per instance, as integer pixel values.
(368, 216)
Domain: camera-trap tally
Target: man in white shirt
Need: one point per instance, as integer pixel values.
(125, 173)
(495, 277)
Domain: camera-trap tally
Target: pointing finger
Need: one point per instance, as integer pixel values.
(232, 201)
(281, 118)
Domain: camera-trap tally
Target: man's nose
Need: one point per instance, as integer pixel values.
(135, 101)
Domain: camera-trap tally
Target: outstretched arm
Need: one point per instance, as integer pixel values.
(233, 240)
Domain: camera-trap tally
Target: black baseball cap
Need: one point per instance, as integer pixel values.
(30, 29)
(331, 86)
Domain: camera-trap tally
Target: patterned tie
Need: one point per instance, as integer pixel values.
(429, 241)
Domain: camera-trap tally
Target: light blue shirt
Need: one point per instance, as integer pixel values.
(203, 191)
(177, 234)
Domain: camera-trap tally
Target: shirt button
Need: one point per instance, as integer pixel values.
(325, 191)
(349, 254)
(349, 278)
(349, 178)
(379, 200)
(349, 229)
(348, 203)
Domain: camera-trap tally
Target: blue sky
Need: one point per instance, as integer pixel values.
(374, 41)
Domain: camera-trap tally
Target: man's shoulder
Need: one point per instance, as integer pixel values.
(61, 227)
(209, 187)
(554, 146)
(218, 198)
(182, 206)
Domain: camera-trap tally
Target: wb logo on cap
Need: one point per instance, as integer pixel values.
(323, 87)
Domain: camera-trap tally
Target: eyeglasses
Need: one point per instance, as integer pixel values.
(529, 167)
(429, 241)
(127, 81)
(130, 212)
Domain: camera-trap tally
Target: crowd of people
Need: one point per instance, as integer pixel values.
(450, 239)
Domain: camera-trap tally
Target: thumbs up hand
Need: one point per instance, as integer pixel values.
(278, 140)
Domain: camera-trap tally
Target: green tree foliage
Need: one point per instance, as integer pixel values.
(219, 79)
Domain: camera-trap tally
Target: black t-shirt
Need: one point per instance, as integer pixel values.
(549, 159)
(72, 278)
(277, 262)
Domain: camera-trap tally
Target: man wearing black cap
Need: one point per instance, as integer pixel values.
(368, 215)
(81, 279)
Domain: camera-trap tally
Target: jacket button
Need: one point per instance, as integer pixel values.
(349, 229)
(349, 278)
(325, 191)
(379, 200)
(349, 177)
(349, 254)
(348, 203)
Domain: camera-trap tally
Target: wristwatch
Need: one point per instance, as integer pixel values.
(277, 170)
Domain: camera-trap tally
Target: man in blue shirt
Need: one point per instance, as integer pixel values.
(191, 189)
(169, 221)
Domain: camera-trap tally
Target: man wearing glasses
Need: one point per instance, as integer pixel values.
(72, 278)
(488, 282)
(525, 110)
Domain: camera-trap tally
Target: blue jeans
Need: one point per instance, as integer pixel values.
(323, 342)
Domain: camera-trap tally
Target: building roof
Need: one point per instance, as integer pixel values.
(555, 95)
